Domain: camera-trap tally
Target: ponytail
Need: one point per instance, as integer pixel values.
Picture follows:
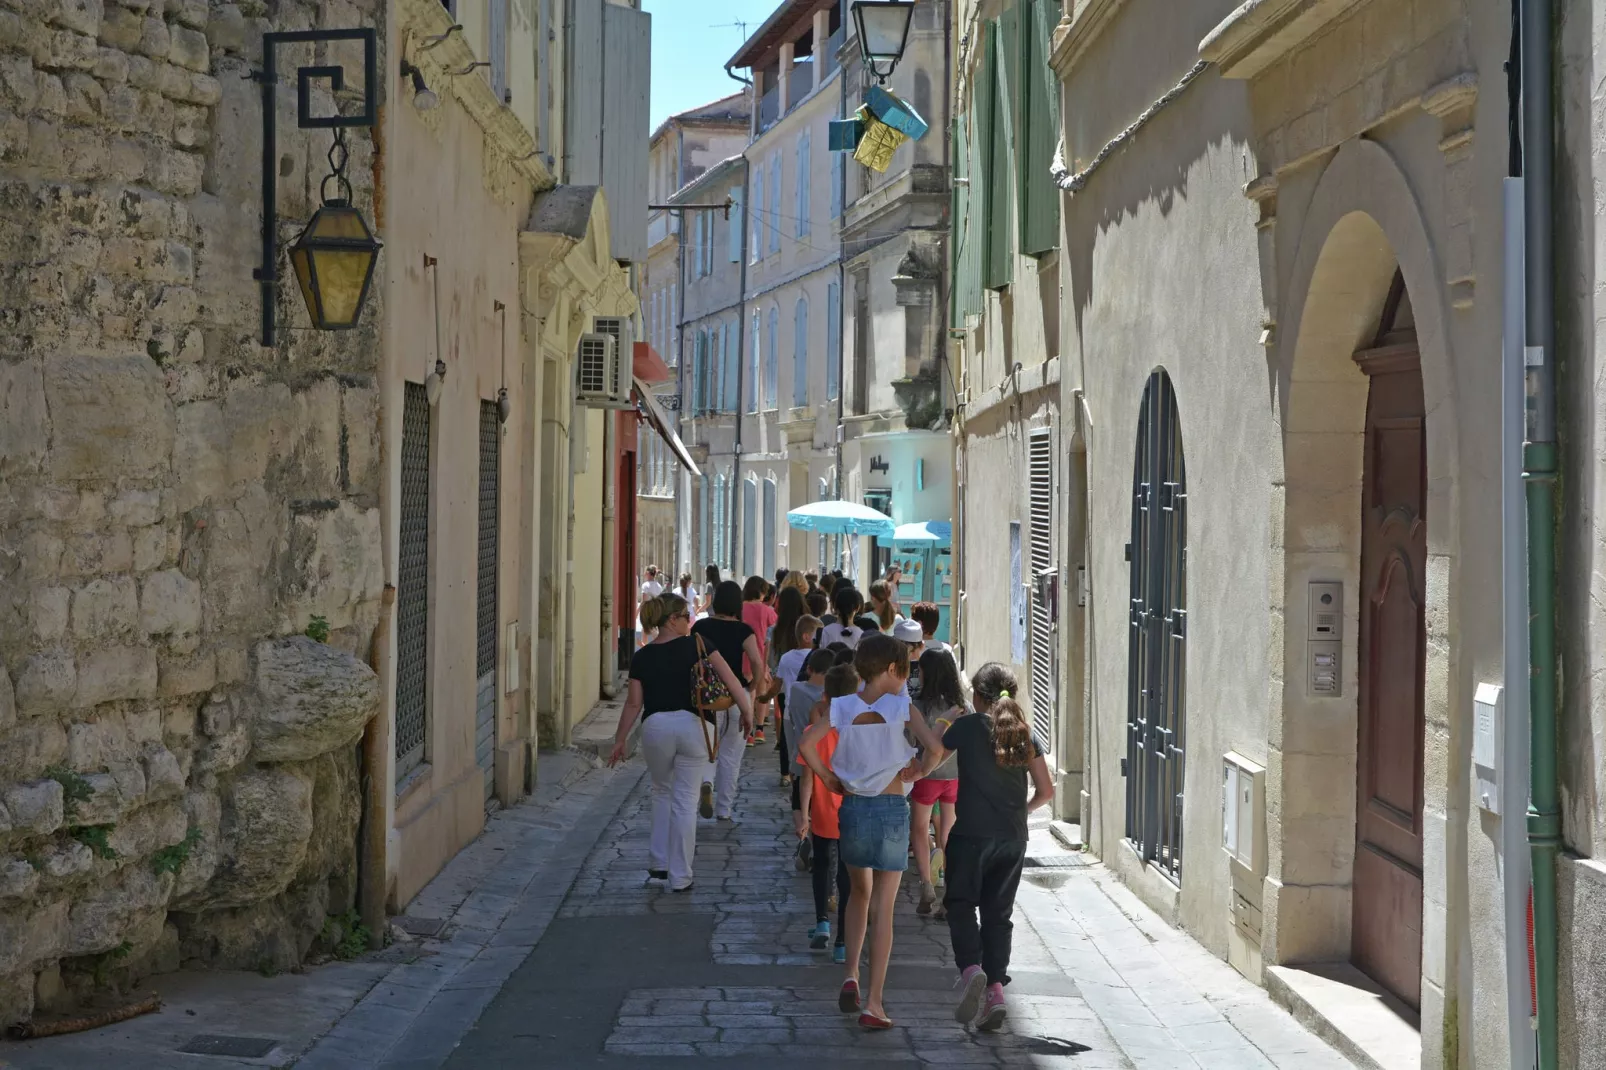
(1012, 737)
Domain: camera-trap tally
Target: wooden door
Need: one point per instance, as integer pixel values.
(1387, 940)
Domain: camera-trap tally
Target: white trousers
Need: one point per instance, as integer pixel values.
(672, 743)
(732, 745)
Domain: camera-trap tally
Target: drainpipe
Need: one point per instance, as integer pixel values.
(733, 505)
(610, 521)
(841, 276)
(1539, 475)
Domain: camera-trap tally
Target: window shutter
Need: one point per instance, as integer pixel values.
(728, 349)
(753, 362)
(1039, 196)
(734, 227)
(756, 217)
(775, 203)
(800, 354)
(833, 340)
(749, 523)
(772, 360)
(497, 45)
(836, 188)
(999, 264)
(978, 165)
(802, 180)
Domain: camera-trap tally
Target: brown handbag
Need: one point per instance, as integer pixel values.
(711, 696)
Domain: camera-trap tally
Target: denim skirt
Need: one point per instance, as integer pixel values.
(875, 832)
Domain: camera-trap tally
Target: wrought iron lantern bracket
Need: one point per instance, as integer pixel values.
(267, 275)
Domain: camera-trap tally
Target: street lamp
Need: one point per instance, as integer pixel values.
(883, 28)
(334, 257)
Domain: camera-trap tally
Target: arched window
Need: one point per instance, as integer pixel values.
(800, 353)
(1158, 642)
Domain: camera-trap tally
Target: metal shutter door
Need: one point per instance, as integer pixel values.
(485, 623)
(412, 587)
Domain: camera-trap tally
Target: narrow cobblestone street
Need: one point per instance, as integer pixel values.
(628, 975)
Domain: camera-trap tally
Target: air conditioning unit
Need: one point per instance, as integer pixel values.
(600, 378)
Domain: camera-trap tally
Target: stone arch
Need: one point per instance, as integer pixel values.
(1363, 224)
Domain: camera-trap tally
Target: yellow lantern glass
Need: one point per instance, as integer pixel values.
(334, 262)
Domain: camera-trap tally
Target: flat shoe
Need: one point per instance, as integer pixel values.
(874, 1022)
(847, 1000)
(688, 888)
(657, 874)
(705, 802)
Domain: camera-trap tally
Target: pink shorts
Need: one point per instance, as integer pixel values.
(929, 792)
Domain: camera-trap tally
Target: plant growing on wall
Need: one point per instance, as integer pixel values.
(318, 629)
(74, 788)
(97, 838)
(171, 859)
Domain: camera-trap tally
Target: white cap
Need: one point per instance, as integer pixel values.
(909, 631)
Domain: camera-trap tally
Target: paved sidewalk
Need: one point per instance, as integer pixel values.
(629, 976)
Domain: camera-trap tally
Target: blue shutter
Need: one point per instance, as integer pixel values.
(752, 363)
(833, 340)
(775, 203)
(749, 525)
(755, 223)
(800, 354)
(727, 337)
(770, 543)
(772, 360)
(836, 188)
(733, 228)
(802, 180)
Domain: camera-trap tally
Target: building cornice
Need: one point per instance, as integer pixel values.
(1077, 31)
(504, 133)
(1260, 32)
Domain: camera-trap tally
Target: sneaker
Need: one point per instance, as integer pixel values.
(973, 985)
(839, 955)
(928, 896)
(939, 867)
(758, 737)
(847, 1000)
(993, 1014)
(786, 780)
(820, 937)
(803, 856)
(705, 802)
(752, 741)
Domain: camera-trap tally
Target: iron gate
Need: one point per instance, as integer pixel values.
(412, 586)
(1157, 652)
(485, 623)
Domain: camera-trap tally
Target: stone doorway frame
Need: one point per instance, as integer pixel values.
(1362, 221)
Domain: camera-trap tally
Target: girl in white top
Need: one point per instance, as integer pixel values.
(846, 601)
(873, 767)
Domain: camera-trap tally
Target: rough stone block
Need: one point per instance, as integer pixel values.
(170, 604)
(191, 674)
(100, 923)
(164, 777)
(110, 418)
(47, 683)
(189, 49)
(105, 608)
(121, 29)
(67, 861)
(137, 508)
(227, 28)
(35, 807)
(8, 701)
(18, 879)
(24, 432)
(106, 802)
(308, 699)
(48, 612)
(149, 829)
(150, 548)
(80, 15)
(267, 823)
(154, 40)
(111, 66)
(70, 50)
(119, 672)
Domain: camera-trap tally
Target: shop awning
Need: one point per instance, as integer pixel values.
(660, 423)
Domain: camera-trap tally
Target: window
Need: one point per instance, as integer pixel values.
(704, 545)
(1039, 215)
(802, 182)
(1158, 634)
(800, 353)
(700, 372)
(775, 203)
(696, 243)
(722, 521)
(706, 219)
(753, 365)
(733, 225)
(772, 359)
(486, 625)
(674, 332)
(836, 188)
(749, 526)
(833, 340)
(772, 550)
(728, 336)
(755, 224)
(1040, 497)
(412, 585)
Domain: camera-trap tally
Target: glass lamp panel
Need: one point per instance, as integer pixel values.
(882, 29)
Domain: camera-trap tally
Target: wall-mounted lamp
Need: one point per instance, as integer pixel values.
(883, 28)
(424, 98)
(334, 256)
(435, 381)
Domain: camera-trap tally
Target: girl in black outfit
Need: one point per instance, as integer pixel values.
(727, 633)
(673, 736)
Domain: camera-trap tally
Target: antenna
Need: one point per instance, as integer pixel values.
(739, 24)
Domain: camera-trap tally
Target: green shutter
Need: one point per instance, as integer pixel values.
(1003, 52)
(1039, 130)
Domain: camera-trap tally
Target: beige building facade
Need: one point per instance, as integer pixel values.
(1281, 284)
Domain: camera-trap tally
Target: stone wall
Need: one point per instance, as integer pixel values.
(175, 782)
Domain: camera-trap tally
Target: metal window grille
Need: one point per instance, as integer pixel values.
(1041, 492)
(412, 588)
(485, 625)
(1157, 650)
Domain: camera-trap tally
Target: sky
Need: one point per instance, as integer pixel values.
(691, 40)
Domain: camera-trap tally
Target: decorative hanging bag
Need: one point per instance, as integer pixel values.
(711, 696)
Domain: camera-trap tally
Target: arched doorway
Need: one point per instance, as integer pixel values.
(1387, 903)
(1157, 645)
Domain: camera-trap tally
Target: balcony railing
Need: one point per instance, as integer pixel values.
(769, 108)
(802, 81)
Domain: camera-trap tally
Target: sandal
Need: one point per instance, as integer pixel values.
(847, 1000)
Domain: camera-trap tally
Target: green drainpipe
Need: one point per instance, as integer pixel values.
(1539, 475)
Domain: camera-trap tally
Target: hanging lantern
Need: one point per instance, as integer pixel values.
(334, 256)
(883, 29)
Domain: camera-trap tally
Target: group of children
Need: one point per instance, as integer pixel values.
(873, 766)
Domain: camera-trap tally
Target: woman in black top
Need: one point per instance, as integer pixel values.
(674, 739)
(726, 632)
